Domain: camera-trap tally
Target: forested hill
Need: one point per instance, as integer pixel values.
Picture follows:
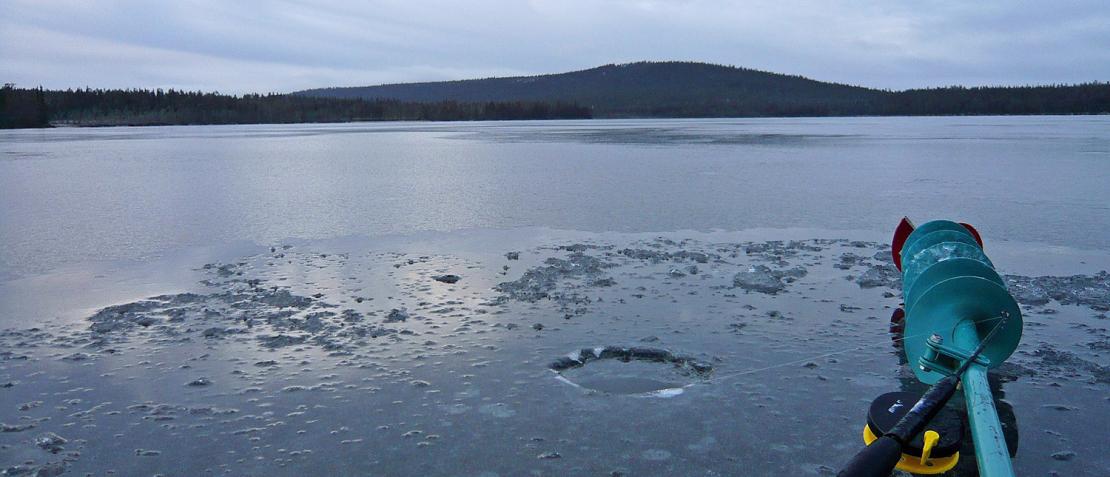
(645, 89)
(688, 89)
(670, 89)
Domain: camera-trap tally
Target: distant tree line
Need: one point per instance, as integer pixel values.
(26, 108)
(761, 95)
(23, 108)
(1086, 98)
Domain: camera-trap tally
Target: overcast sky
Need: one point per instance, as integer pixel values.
(285, 45)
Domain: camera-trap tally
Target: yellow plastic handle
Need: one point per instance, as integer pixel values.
(931, 438)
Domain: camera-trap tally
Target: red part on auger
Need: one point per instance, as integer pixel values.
(974, 233)
(901, 233)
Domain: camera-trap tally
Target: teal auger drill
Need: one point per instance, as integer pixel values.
(960, 321)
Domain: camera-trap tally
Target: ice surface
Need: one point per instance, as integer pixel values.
(293, 360)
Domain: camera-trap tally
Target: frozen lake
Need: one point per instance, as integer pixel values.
(75, 195)
(526, 298)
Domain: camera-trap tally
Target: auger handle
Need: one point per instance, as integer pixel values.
(875, 460)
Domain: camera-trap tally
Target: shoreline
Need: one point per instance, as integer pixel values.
(62, 125)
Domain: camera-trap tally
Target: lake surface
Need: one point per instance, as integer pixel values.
(526, 298)
(75, 195)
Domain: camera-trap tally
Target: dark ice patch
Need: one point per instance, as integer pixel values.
(1092, 291)
(541, 282)
(763, 279)
(881, 275)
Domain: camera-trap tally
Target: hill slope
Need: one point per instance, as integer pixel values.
(673, 89)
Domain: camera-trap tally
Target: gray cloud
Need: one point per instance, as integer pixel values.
(284, 45)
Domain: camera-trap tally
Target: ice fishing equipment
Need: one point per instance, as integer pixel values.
(886, 452)
(960, 321)
(936, 450)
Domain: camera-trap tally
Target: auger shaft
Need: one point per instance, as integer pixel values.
(991, 452)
